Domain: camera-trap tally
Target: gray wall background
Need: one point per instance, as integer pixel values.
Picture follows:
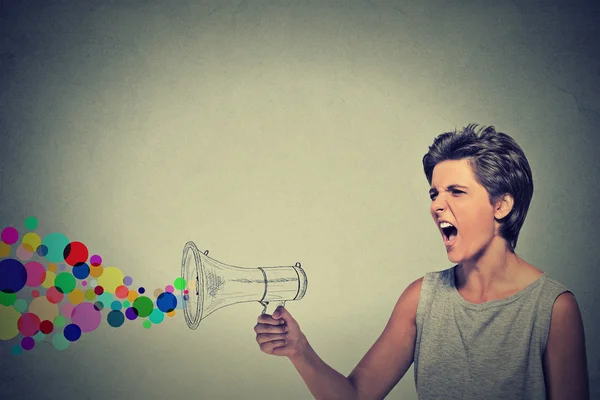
(276, 132)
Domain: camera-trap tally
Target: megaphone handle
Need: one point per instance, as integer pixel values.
(271, 306)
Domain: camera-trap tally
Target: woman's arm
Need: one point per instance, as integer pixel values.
(565, 362)
(375, 375)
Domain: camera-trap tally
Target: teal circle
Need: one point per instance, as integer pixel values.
(31, 223)
(156, 316)
(38, 337)
(106, 298)
(56, 243)
(16, 350)
(59, 341)
(116, 305)
(20, 305)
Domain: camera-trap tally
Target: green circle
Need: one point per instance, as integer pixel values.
(179, 283)
(147, 324)
(126, 304)
(7, 299)
(31, 223)
(59, 321)
(20, 305)
(59, 341)
(89, 295)
(65, 282)
(143, 305)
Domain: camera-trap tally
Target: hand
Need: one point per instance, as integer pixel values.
(279, 334)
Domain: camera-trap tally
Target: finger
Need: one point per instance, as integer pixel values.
(268, 347)
(268, 319)
(269, 337)
(265, 328)
(282, 313)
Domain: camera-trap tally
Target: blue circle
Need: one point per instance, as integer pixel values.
(42, 250)
(116, 305)
(115, 318)
(13, 275)
(166, 302)
(72, 332)
(81, 271)
(141, 290)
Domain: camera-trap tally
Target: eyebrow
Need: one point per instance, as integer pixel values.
(450, 187)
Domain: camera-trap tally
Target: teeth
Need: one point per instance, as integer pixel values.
(445, 224)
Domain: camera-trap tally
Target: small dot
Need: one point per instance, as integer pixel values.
(127, 281)
(31, 223)
(141, 290)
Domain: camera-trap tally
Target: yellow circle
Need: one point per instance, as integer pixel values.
(49, 281)
(76, 296)
(8, 322)
(90, 295)
(31, 241)
(41, 307)
(110, 279)
(96, 271)
(4, 250)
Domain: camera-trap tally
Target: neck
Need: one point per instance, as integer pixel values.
(494, 269)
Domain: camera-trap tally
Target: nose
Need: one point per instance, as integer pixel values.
(438, 205)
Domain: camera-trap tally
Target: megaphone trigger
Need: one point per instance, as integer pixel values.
(271, 306)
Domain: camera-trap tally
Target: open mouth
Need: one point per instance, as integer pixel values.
(449, 231)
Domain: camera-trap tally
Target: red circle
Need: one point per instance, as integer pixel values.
(35, 294)
(122, 291)
(46, 327)
(54, 296)
(75, 253)
(98, 290)
(28, 324)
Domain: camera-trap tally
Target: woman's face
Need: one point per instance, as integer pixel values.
(459, 199)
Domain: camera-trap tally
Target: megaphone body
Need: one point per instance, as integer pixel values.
(211, 285)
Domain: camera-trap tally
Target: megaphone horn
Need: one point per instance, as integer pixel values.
(211, 285)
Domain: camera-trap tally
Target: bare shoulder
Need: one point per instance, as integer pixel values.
(406, 307)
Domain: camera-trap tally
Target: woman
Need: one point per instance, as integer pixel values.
(492, 326)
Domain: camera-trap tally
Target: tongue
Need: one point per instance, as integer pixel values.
(452, 235)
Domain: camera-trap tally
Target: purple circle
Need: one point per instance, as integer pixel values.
(130, 314)
(86, 316)
(27, 343)
(96, 260)
(127, 281)
(9, 235)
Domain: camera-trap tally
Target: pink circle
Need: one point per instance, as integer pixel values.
(9, 235)
(169, 289)
(84, 283)
(28, 324)
(96, 260)
(36, 273)
(66, 310)
(23, 254)
(53, 295)
(86, 317)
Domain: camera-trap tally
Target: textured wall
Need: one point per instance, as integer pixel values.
(276, 132)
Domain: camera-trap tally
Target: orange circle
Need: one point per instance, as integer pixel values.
(96, 271)
(132, 295)
(52, 267)
(171, 313)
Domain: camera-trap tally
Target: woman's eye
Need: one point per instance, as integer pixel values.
(457, 191)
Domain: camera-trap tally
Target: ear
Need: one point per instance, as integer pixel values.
(503, 206)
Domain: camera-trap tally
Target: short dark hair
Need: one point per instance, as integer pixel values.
(499, 165)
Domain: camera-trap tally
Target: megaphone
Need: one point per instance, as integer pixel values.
(211, 285)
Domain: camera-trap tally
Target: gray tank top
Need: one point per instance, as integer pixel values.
(491, 350)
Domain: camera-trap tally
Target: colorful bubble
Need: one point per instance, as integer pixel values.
(132, 295)
(89, 295)
(141, 290)
(81, 271)
(31, 223)
(20, 305)
(49, 281)
(169, 289)
(157, 292)
(143, 306)
(75, 253)
(42, 250)
(96, 272)
(60, 342)
(43, 308)
(65, 282)
(110, 279)
(126, 304)
(67, 310)
(179, 283)
(35, 293)
(52, 267)
(4, 250)
(7, 299)
(9, 318)
(31, 241)
(115, 318)
(56, 243)
(59, 321)
(27, 343)
(76, 296)
(98, 305)
(72, 332)
(166, 302)
(121, 292)
(156, 316)
(53, 295)
(87, 317)
(16, 350)
(95, 260)
(171, 313)
(38, 337)
(127, 281)
(28, 324)
(116, 305)
(131, 314)
(36, 274)
(98, 290)
(13, 275)
(147, 324)
(46, 327)
(23, 254)
(9, 235)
